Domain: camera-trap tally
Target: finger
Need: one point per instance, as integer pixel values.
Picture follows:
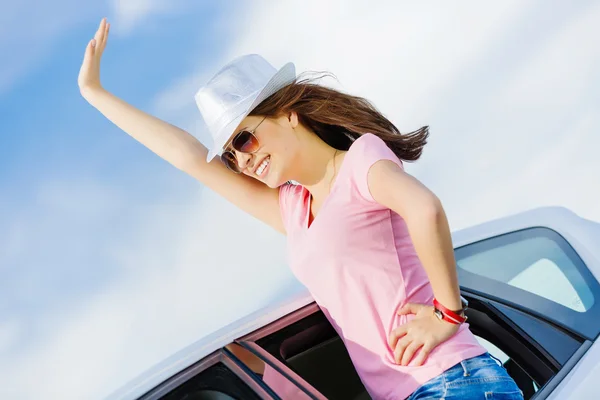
(409, 352)
(423, 354)
(410, 308)
(404, 310)
(105, 35)
(100, 32)
(85, 65)
(397, 334)
(89, 52)
(400, 347)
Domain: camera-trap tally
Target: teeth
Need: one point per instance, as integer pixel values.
(262, 166)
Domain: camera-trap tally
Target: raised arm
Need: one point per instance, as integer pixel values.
(173, 144)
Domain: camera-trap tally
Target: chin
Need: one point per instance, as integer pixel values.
(273, 178)
(273, 183)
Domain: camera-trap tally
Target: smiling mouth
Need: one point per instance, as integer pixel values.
(263, 166)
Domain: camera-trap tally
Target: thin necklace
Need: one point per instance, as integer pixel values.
(334, 170)
(330, 182)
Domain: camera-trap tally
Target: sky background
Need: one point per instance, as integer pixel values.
(111, 259)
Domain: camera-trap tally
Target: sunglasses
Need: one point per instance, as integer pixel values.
(245, 142)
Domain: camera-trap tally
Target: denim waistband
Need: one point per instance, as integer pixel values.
(471, 364)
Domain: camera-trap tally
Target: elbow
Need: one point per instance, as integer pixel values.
(429, 210)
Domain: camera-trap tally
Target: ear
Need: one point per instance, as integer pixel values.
(293, 118)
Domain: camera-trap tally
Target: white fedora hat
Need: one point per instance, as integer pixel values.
(235, 91)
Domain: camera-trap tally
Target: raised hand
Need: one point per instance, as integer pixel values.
(89, 73)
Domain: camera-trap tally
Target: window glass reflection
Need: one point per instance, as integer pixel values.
(272, 378)
(532, 260)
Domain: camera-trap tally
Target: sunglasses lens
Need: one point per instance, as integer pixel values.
(245, 142)
(230, 162)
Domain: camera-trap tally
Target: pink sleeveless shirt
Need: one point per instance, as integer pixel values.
(358, 261)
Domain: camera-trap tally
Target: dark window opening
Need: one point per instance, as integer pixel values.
(312, 349)
(214, 383)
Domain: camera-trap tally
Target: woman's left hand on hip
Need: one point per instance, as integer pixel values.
(422, 334)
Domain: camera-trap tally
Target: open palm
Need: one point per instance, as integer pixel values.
(89, 74)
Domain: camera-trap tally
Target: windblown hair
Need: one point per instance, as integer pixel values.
(339, 118)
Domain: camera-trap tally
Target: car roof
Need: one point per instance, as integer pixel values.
(578, 231)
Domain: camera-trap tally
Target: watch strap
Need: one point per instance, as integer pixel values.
(448, 315)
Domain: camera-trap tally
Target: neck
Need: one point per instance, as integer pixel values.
(317, 167)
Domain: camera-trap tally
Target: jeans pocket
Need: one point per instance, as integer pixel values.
(518, 395)
(483, 377)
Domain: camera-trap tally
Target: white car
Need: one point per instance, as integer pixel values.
(534, 301)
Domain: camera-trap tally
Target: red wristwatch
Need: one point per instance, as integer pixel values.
(454, 317)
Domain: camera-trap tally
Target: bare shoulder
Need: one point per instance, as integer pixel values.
(396, 189)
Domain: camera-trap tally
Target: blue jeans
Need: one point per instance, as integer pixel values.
(477, 378)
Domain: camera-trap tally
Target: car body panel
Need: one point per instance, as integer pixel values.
(583, 379)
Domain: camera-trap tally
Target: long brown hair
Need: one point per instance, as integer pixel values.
(339, 118)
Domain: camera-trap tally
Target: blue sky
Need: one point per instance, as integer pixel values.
(111, 259)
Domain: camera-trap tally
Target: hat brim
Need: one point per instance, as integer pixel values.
(282, 78)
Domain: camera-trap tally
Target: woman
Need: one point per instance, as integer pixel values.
(369, 241)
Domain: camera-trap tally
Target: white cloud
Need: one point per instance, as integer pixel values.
(9, 334)
(563, 171)
(129, 13)
(559, 71)
(50, 222)
(538, 146)
(397, 53)
(76, 197)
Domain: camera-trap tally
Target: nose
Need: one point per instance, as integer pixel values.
(243, 159)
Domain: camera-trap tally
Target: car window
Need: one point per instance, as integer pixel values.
(536, 271)
(523, 380)
(281, 385)
(536, 264)
(493, 349)
(217, 382)
(307, 345)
